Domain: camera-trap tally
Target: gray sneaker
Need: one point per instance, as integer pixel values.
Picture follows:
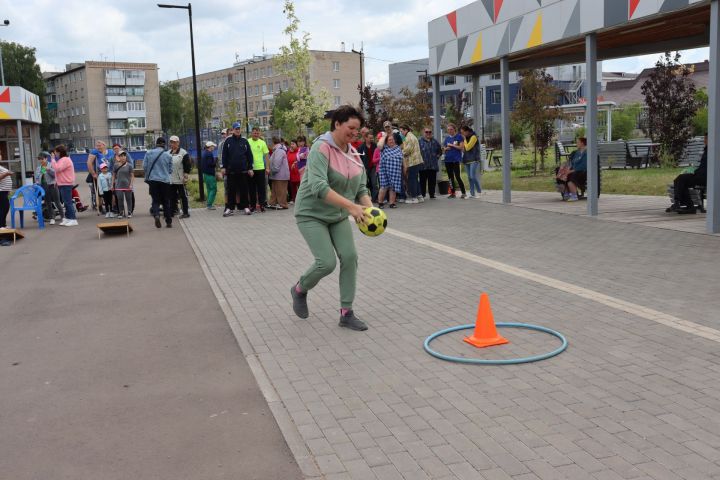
(299, 303)
(349, 320)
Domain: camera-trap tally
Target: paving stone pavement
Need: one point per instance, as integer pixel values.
(631, 398)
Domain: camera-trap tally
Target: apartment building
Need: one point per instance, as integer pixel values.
(112, 101)
(337, 72)
(569, 78)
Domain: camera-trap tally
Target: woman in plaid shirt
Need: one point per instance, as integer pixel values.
(391, 165)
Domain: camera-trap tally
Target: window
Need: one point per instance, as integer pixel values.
(495, 96)
(84, 127)
(117, 107)
(138, 122)
(257, 90)
(264, 105)
(264, 89)
(117, 124)
(495, 76)
(285, 84)
(337, 101)
(83, 109)
(136, 106)
(468, 78)
(262, 72)
(114, 91)
(442, 99)
(467, 98)
(270, 88)
(336, 83)
(251, 106)
(269, 71)
(336, 66)
(277, 87)
(80, 73)
(135, 74)
(255, 74)
(135, 91)
(450, 80)
(257, 106)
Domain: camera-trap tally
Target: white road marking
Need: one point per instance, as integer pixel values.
(612, 302)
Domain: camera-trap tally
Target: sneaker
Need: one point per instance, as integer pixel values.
(168, 224)
(211, 207)
(420, 199)
(463, 196)
(107, 215)
(64, 221)
(572, 197)
(185, 215)
(52, 221)
(671, 208)
(687, 210)
(299, 303)
(291, 202)
(157, 222)
(129, 215)
(228, 213)
(349, 320)
(381, 205)
(432, 197)
(452, 195)
(413, 201)
(401, 200)
(119, 217)
(392, 205)
(475, 195)
(565, 196)
(248, 211)
(71, 223)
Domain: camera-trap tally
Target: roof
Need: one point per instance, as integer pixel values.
(626, 92)
(538, 33)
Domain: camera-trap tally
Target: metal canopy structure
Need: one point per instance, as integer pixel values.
(490, 36)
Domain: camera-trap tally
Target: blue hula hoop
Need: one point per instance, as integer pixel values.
(510, 361)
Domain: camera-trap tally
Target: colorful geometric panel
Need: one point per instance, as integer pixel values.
(536, 34)
(452, 20)
(670, 5)
(5, 96)
(633, 5)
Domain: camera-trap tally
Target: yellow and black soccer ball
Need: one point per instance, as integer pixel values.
(376, 224)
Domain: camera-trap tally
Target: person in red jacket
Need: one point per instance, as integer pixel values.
(295, 177)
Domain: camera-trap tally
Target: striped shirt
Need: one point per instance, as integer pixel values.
(5, 183)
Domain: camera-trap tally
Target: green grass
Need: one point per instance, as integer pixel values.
(194, 193)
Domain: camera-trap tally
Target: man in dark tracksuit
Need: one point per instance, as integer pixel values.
(685, 181)
(238, 170)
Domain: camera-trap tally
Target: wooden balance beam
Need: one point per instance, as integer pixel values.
(121, 226)
(11, 232)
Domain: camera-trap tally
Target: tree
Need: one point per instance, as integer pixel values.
(205, 108)
(411, 109)
(280, 118)
(311, 101)
(171, 107)
(372, 104)
(535, 108)
(230, 115)
(624, 121)
(670, 98)
(700, 120)
(21, 69)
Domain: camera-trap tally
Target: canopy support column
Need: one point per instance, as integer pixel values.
(591, 123)
(505, 115)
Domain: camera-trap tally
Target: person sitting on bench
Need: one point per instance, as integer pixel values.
(683, 202)
(576, 175)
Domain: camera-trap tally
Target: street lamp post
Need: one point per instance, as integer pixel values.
(247, 114)
(2, 70)
(201, 186)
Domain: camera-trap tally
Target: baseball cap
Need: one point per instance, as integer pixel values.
(224, 131)
(175, 138)
(122, 152)
(387, 123)
(210, 144)
(236, 125)
(117, 145)
(160, 141)
(103, 165)
(43, 155)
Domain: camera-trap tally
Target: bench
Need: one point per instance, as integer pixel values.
(637, 155)
(697, 195)
(692, 152)
(561, 154)
(497, 159)
(612, 154)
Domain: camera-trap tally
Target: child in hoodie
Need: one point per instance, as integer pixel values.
(280, 175)
(105, 189)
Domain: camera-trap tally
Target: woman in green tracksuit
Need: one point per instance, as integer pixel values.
(333, 187)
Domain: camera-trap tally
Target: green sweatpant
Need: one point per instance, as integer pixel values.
(211, 186)
(324, 241)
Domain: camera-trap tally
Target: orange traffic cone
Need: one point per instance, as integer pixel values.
(485, 334)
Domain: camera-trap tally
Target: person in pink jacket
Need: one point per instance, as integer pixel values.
(65, 179)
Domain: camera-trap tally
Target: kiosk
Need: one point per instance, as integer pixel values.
(20, 120)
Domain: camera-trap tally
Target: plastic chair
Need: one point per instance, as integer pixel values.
(32, 200)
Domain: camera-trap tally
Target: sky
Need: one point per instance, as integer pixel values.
(65, 31)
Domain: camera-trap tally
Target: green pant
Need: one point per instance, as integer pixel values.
(324, 241)
(211, 186)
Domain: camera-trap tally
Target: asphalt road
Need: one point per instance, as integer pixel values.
(116, 362)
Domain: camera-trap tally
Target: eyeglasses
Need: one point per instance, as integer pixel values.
(428, 131)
